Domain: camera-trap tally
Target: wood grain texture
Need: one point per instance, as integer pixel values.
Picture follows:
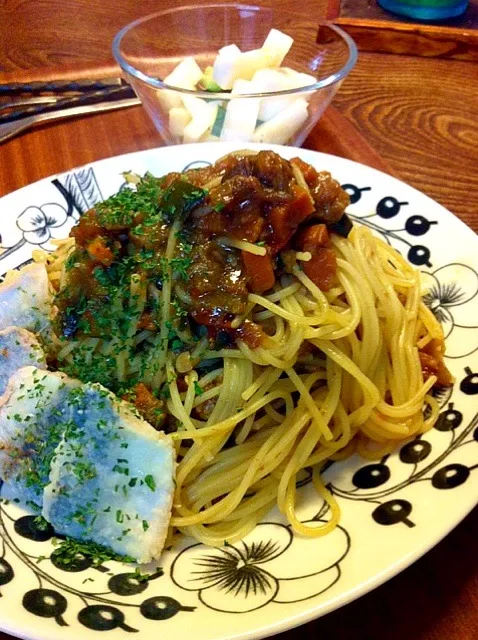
(375, 29)
(38, 37)
(337, 135)
(53, 148)
(415, 118)
(95, 137)
(387, 37)
(422, 117)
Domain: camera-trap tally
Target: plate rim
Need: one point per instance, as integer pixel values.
(310, 612)
(234, 146)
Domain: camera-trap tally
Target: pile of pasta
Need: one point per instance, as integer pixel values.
(339, 372)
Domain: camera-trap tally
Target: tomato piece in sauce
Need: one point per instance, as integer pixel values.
(311, 238)
(432, 363)
(321, 268)
(259, 271)
(284, 219)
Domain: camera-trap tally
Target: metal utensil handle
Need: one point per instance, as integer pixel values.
(59, 86)
(112, 93)
(11, 129)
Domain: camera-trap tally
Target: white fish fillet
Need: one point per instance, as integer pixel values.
(33, 414)
(98, 471)
(25, 299)
(18, 348)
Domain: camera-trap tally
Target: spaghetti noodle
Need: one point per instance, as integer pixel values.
(239, 312)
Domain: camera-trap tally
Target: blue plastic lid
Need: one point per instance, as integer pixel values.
(426, 9)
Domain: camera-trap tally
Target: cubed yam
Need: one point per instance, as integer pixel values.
(279, 43)
(179, 117)
(223, 72)
(284, 125)
(203, 114)
(241, 114)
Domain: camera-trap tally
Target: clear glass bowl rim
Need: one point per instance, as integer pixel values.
(158, 84)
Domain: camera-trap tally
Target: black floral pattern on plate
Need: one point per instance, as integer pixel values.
(53, 597)
(387, 208)
(38, 224)
(450, 289)
(246, 576)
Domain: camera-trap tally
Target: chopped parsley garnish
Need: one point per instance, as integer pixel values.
(120, 209)
(175, 342)
(180, 266)
(179, 310)
(68, 551)
(113, 284)
(198, 390)
(40, 523)
(150, 482)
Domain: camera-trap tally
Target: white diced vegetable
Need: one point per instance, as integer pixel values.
(179, 117)
(241, 114)
(223, 72)
(270, 106)
(242, 87)
(185, 76)
(304, 80)
(281, 128)
(194, 106)
(168, 99)
(265, 81)
(251, 61)
(250, 72)
(279, 43)
(297, 79)
(207, 81)
(203, 114)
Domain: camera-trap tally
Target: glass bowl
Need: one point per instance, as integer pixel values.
(150, 48)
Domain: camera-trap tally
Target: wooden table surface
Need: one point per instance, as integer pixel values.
(415, 117)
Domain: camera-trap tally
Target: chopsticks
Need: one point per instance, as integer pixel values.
(30, 100)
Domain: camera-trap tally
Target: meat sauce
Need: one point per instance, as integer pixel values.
(250, 198)
(255, 199)
(431, 360)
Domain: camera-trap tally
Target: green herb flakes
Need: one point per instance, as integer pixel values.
(150, 482)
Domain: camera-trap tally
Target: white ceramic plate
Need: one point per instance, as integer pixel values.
(392, 511)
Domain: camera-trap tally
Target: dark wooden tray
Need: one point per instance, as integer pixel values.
(375, 29)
